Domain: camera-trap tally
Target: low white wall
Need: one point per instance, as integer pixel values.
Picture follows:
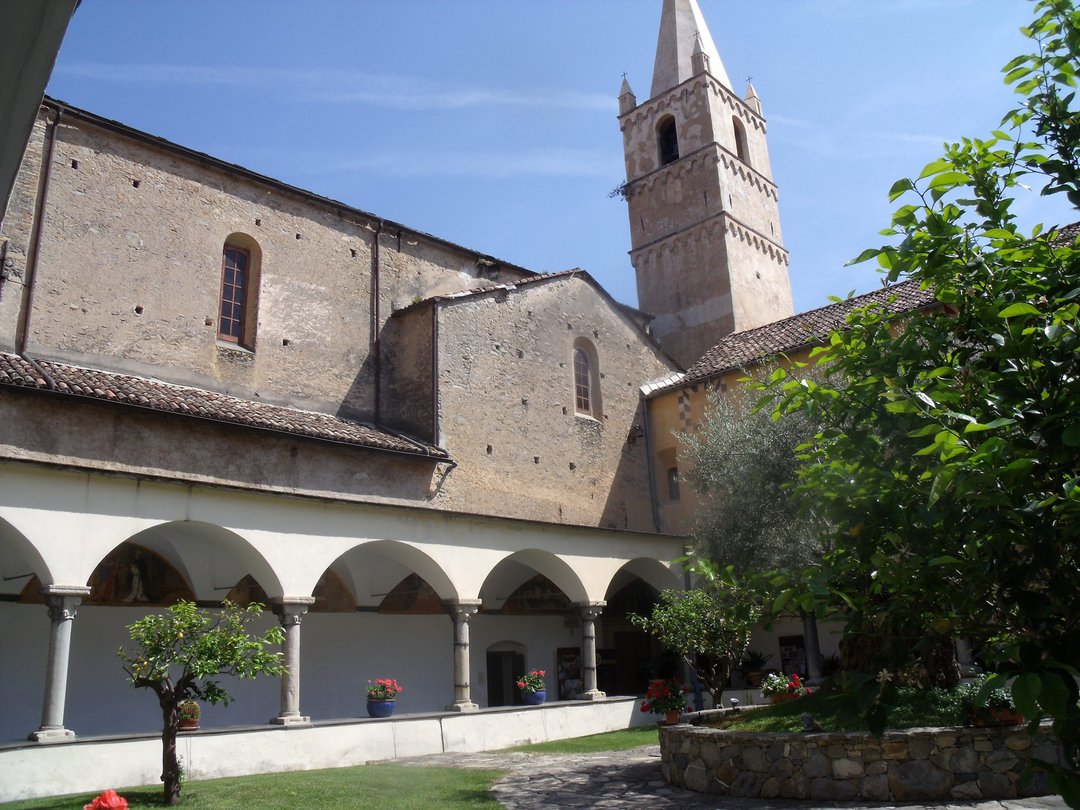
(85, 765)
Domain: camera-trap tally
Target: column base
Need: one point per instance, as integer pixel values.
(290, 720)
(593, 694)
(50, 735)
(463, 706)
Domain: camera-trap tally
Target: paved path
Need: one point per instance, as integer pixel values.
(625, 780)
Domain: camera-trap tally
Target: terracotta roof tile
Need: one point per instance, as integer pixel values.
(141, 392)
(739, 349)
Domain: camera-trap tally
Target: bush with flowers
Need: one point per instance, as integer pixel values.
(779, 687)
(532, 682)
(383, 689)
(109, 800)
(663, 697)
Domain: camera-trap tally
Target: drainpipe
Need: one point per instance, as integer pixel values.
(23, 330)
(435, 437)
(376, 327)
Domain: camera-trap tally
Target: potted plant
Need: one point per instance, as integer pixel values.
(188, 713)
(753, 664)
(382, 697)
(666, 698)
(997, 710)
(778, 687)
(533, 688)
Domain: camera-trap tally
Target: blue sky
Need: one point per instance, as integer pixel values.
(492, 123)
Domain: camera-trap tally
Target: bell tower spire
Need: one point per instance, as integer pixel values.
(705, 232)
(682, 32)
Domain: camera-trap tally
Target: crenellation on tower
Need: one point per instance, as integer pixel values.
(707, 247)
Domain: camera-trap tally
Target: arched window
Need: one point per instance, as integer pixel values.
(667, 140)
(740, 141)
(238, 299)
(586, 380)
(582, 382)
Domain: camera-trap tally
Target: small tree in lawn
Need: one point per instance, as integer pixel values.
(176, 655)
(709, 626)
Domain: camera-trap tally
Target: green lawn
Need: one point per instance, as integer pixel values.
(611, 741)
(378, 787)
(837, 712)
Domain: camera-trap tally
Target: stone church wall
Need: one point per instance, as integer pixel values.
(507, 408)
(129, 271)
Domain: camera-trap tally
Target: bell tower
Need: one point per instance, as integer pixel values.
(704, 218)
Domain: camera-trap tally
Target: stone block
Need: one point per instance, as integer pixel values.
(847, 768)
(770, 789)
(895, 749)
(963, 759)
(996, 786)
(918, 779)
(966, 791)
(817, 765)
(1035, 784)
(745, 785)
(920, 747)
(834, 790)
(876, 788)
(983, 745)
(754, 760)
(727, 772)
(946, 740)
(1000, 761)
(1018, 742)
(877, 768)
(837, 751)
(776, 751)
(696, 776)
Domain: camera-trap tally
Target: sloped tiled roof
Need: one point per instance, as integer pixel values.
(740, 349)
(1067, 234)
(140, 392)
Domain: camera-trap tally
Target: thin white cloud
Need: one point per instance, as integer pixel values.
(338, 86)
(493, 165)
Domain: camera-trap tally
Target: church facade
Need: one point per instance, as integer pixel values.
(432, 465)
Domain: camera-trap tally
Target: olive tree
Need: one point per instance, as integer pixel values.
(177, 655)
(949, 462)
(708, 626)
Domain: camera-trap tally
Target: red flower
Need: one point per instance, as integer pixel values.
(108, 800)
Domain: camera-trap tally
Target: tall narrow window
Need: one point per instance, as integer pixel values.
(582, 383)
(235, 284)
(238, 298)
(673, 483)
(740, 140)
(667, 140)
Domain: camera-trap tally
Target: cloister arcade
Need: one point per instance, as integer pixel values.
(363, 591)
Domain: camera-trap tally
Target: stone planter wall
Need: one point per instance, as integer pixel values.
(915, 765)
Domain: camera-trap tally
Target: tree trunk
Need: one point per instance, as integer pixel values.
(170, 766)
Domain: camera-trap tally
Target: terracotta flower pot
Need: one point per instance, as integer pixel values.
(671, 717)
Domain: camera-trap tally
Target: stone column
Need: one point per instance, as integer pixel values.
(589, 611)
(813, 650)
(460, 612)
(290, 611)
(62, 602)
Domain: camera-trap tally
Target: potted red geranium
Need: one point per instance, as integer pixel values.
(666, 698)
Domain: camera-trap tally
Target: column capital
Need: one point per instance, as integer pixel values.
(63, 600)
(291, 609)
(461, 610)
(590, 610)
